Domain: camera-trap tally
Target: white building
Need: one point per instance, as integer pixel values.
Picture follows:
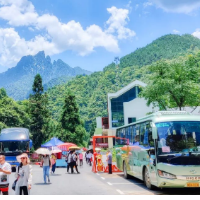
(125, 106)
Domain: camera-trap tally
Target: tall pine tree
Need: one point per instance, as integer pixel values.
(72, 126)
(38, 112)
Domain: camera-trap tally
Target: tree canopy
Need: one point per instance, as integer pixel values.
(174, 84)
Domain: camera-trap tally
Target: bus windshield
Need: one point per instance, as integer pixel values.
(178, 137)
(14, 146)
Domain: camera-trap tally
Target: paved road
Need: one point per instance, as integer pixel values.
(88, 183)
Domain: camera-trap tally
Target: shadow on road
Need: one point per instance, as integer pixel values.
(42, 183)
(56, 174)
(164, 191)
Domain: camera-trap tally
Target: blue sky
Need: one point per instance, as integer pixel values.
(89, 33)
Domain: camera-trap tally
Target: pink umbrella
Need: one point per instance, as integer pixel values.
(65, 146)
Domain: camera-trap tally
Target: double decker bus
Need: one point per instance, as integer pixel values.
(163, 150)
(13, 142)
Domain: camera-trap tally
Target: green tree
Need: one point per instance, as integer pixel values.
(72, 125)
(2, 93)
(174, 85)
(38, 112)
(11, 113)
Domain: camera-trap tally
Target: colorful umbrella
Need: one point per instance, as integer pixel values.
(65, 146)
(55, 150)
(74, 148)
(43, 151)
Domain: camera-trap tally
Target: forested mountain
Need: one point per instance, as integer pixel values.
(166, 47)
(18, 80)
(91, 90)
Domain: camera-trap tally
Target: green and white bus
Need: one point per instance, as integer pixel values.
(163, 149)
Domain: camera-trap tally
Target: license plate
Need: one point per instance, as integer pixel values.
(192, 184)
(13, 165)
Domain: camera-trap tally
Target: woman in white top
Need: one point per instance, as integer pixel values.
(23, 175)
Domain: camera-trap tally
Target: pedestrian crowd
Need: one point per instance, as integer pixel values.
(23, 175)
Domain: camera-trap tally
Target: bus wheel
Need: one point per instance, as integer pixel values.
(147, 179)
(125, 171)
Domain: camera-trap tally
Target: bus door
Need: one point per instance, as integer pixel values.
(147, 153)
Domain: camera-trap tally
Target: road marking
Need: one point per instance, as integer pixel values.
(103, 178)
(109, 183)
(127, 183)
(98, 174)
(120, 191)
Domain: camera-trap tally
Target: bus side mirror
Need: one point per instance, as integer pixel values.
(154, 133)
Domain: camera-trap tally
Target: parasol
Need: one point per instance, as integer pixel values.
(65, 146)
(55, 150)
(74, 148)
(43, 151)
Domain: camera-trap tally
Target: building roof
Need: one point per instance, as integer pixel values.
(127, 88)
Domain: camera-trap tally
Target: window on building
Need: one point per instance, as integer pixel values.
(117, 109)
(131, 120)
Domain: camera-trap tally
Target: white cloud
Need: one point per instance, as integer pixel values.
(196, 33)
(176, 31)
(13, 47)
(59, 36)
(18, 12)
(146, 4)
(177, 6)
(117, 22)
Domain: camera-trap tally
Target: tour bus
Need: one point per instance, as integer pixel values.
(163, 150)
(13, 142)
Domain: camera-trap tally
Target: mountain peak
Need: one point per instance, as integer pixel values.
(40, 55)
(18, 80)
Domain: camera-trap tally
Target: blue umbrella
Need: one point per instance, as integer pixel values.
(52, 143)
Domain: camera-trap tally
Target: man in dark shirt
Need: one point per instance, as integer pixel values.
(109, 160)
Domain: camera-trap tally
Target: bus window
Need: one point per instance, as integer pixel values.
(118, 135)
(133, 134)
(122, 136)
(150, 136)
(129, 134)
(148, 139)
(142, 132)
(137, 134)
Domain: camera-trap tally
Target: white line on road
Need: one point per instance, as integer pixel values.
(98, 174)
(103, 178)
(120, 191)
(127, 183)
(109, 183)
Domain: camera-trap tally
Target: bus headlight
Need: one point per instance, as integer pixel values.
(163, 174)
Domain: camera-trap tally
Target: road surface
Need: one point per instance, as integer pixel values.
(88, 183)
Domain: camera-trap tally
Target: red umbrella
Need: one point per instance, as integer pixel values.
(65, 146)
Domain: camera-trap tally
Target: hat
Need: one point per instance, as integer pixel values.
(22, 156)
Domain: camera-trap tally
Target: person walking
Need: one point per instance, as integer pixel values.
(70, 162)
(89, 158)
(23, 175)
(46, 163)
(86, 157)
(53, 163)
(74, 163)
(5, 171)
(81, 159)
(109, 160)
